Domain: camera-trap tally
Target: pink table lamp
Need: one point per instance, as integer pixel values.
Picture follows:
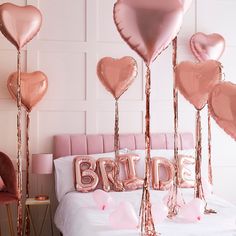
(42, 164)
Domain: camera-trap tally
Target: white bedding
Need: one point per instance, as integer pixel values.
(77, 215)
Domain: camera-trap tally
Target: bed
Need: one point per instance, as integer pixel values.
(77, 215)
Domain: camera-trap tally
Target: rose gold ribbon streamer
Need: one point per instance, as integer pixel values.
(27, 170)
(118, 185)
(147, 224)
(116, 130)
(172, 201)
(210, 177)
(198, 190)
(19, 147)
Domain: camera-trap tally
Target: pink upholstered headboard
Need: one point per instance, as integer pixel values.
(81, 144)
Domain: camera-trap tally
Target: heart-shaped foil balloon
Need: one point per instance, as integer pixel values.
(196, 80)
(19, 24)
(33, 87)
(207, 47)
(149, 26)
(222, 106)
(117, 75)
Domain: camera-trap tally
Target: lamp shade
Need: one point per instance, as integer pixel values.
(42, 163)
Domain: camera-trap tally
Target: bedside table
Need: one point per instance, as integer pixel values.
(32, 202)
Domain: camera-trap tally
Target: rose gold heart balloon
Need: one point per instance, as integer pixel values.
(222, 106)
(117, 75)
(33, 87)
(207, 47)
(149, 26)
(19, 24)
(196, 80)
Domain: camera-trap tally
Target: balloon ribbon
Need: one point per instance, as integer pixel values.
(147, 224)
(118, 186)
(27, 170)
(210, 176)
(198, 191)
(172, 201)
(19, 147)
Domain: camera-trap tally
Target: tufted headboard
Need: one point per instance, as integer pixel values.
(82, 144)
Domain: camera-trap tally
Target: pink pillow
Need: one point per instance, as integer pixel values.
(2, 185)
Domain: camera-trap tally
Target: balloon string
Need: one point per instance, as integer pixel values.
(210, 176)
(116, 130)
(27, 169)
(198, 177)
(172, 201)
(118, 185)
(147, 224)
(19, 147)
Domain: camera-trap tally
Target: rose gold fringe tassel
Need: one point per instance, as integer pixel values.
(198, 191)
(210, 176)
(172, 201)
(147, 224)
(19, 147)
(27, 220)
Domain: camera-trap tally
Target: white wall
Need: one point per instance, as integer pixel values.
(74, 36)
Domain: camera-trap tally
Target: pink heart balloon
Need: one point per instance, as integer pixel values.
(196, 80)
(124, 217)
(117, 75)
(149, 26)
(102, 199)
(192, 211)
(207, 47)
(19, 24)
(33, 87)
(222, 106)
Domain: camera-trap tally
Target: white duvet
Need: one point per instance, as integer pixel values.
(77, 215)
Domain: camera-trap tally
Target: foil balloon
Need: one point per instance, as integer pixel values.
(86, 178)
(196, 80)
(222, 107)
(186, 176)
(109, 170)
(148, 27)
(192, 211)
(207, 47)
(157, 182)
(19, 24)
(131, 182)
(33, 87)
(124, 217)
(186, 4)
(102, 199)
(117, 75)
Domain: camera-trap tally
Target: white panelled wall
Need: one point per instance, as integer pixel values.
(74, 36)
